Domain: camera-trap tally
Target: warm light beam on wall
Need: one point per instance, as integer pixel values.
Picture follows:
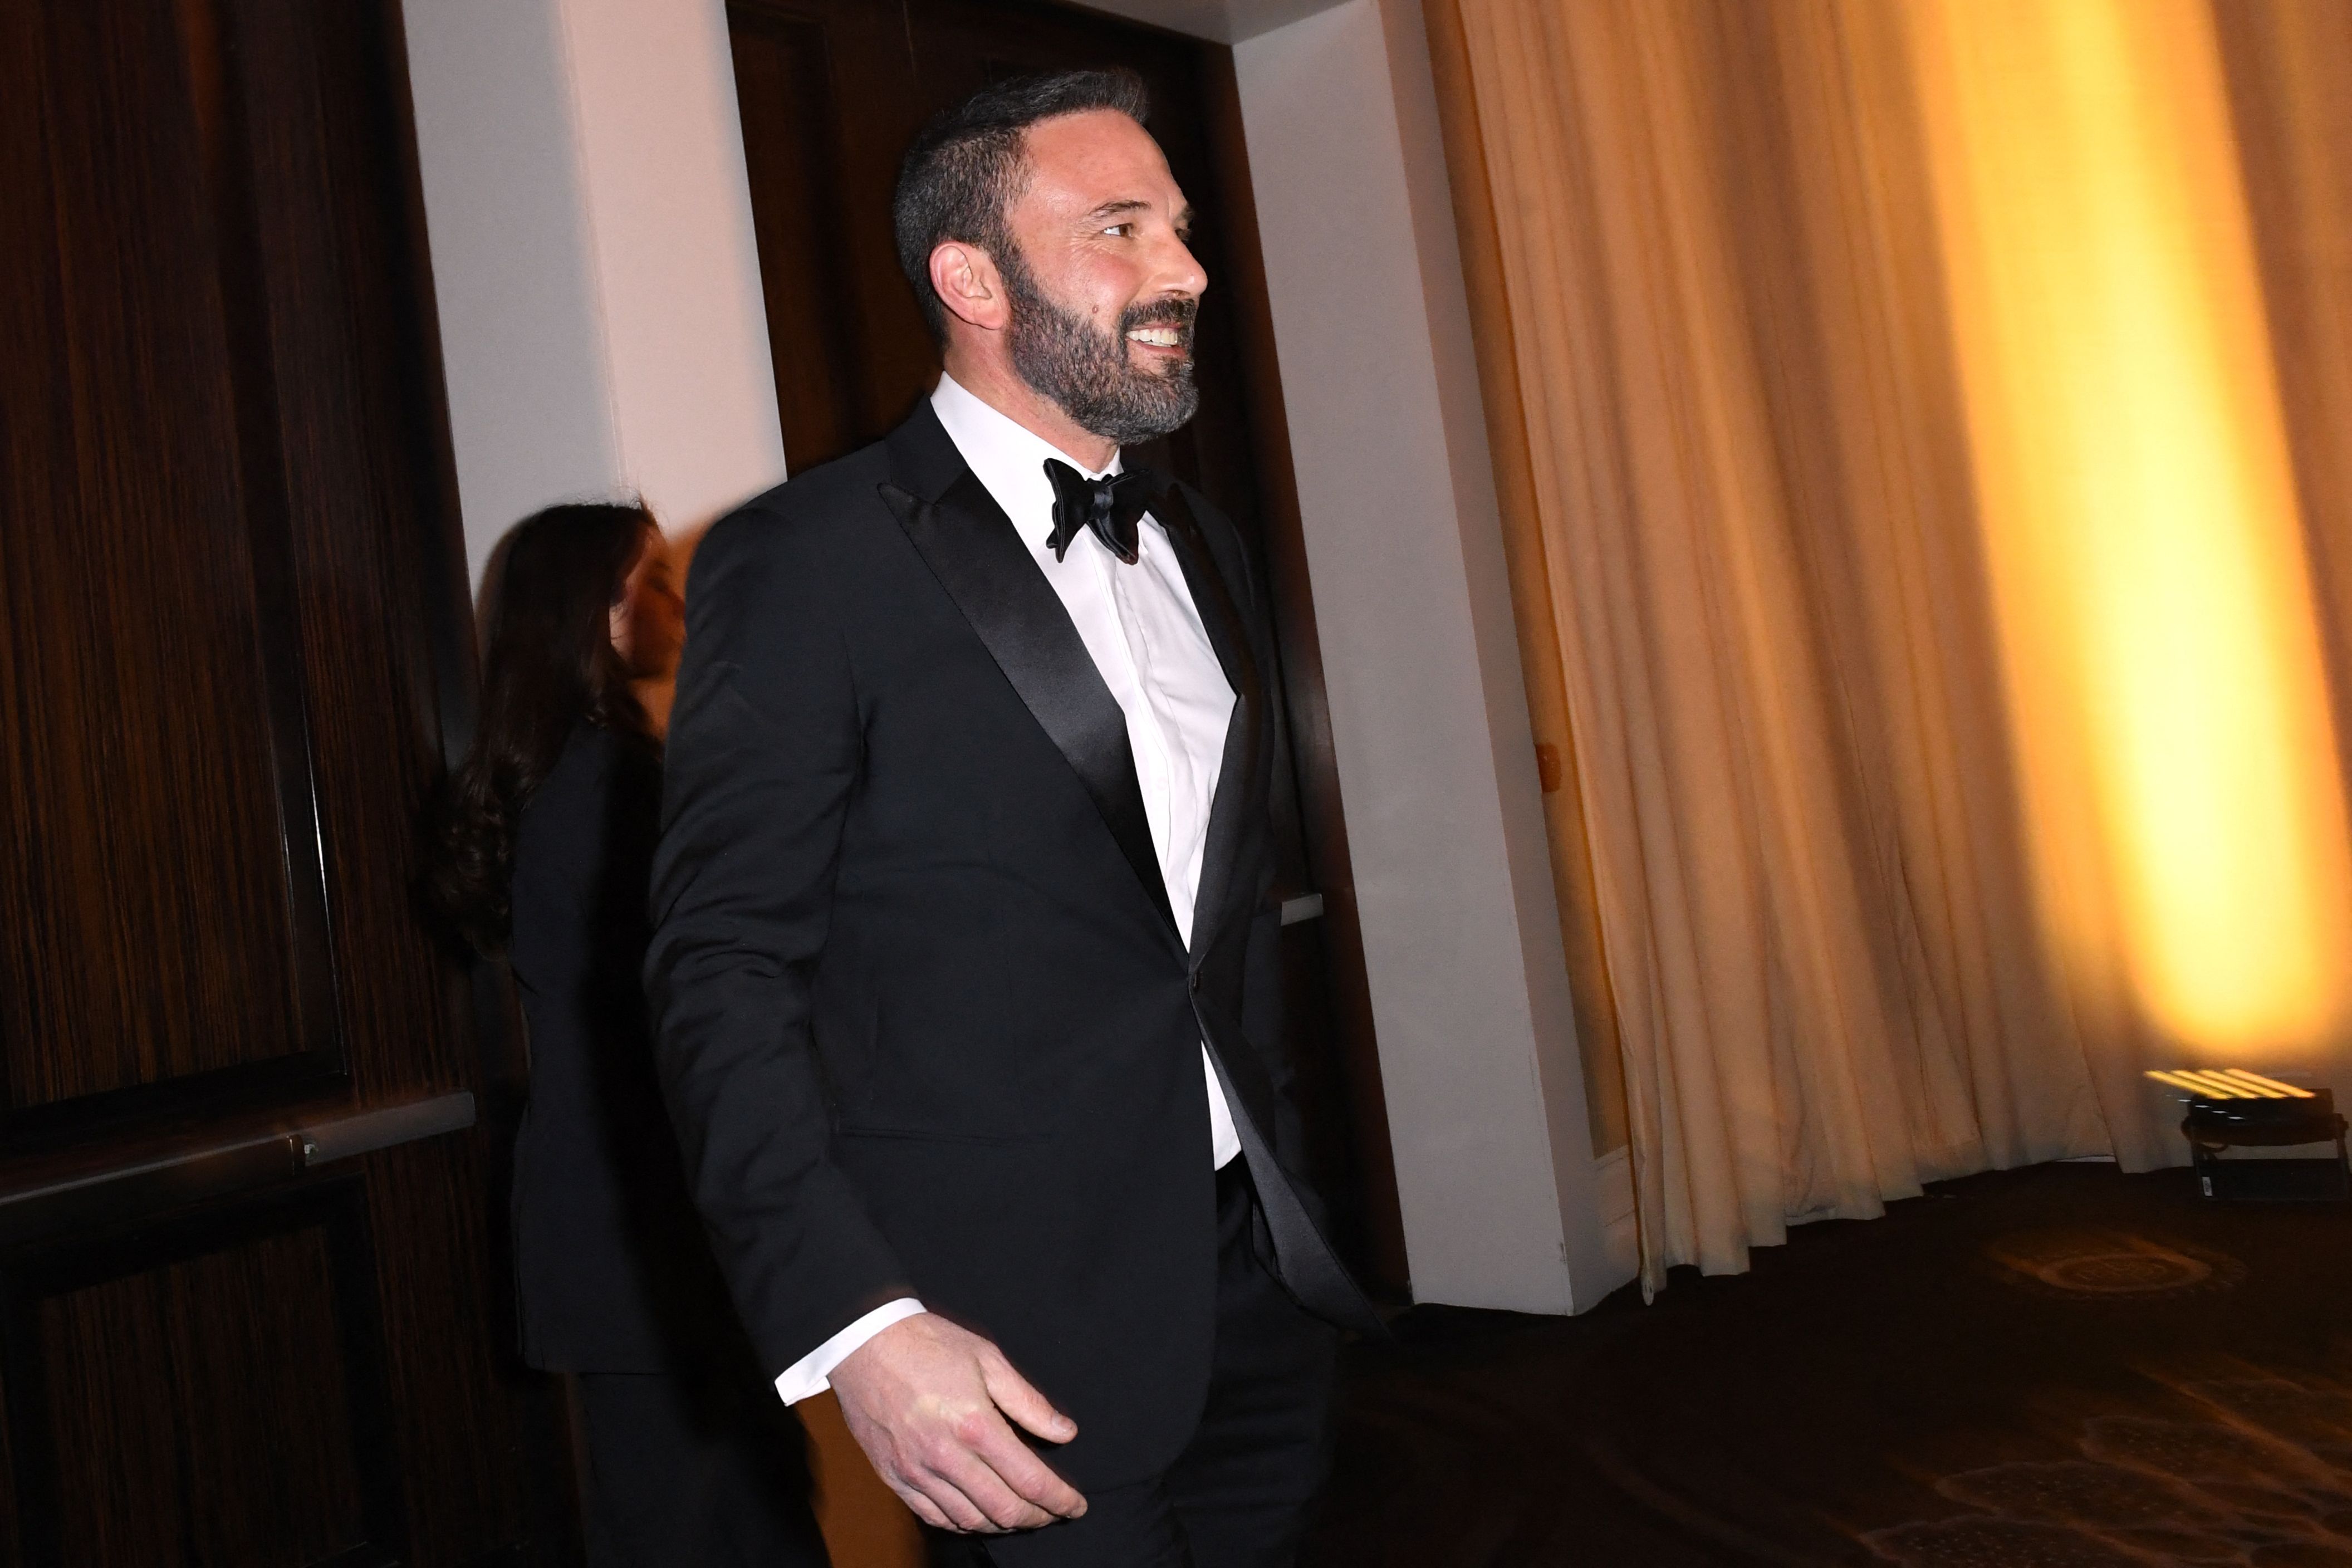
(2156, 615)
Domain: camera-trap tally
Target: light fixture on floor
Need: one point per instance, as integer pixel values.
(2231, 1108)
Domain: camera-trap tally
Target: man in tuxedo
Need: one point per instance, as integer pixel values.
(965, 967)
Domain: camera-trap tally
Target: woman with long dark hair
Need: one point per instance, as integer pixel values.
(545, 844)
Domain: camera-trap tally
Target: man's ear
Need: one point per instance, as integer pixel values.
(967, 283)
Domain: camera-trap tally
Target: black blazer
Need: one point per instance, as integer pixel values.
(925, 1022)
(612, 1270)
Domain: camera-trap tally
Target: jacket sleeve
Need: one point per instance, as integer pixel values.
(764, 752)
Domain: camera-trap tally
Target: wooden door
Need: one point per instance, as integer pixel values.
(251, 1309)
(831, 92)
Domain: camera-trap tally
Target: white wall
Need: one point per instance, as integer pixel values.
(512, 273)
(693, 394)
(1429, 719)
(590, 233)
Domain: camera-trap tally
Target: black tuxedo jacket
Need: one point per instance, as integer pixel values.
(925, 1022)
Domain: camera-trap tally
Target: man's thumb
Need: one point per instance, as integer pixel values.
(1027, 1407)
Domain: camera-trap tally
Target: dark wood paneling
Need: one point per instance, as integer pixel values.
(481, 1462)
(236, 657)
(831, 91)
(143, 1367)
(783, 85)
(159, 822)
(360, 468)
(206, 691)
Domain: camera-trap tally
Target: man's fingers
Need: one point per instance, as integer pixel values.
(1030, 1477)
(966, 1470)
(921, 1507)
(1017, 1398)
(961, 1466)
(943, 1498)
(1026, 1473)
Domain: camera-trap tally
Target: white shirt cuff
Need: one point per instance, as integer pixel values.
(807, 1375)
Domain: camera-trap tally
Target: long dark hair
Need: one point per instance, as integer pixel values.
(550, 664)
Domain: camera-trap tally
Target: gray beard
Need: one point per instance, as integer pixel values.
(1086, 373)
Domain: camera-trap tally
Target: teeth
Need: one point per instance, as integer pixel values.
(1159, 337)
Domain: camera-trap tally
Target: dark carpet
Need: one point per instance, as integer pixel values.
(2060, 1367)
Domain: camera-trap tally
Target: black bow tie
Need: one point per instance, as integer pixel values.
(1113, 507)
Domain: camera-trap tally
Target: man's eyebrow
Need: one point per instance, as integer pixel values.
(1113, 209)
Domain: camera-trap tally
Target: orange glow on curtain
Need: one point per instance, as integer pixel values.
(2163, 663)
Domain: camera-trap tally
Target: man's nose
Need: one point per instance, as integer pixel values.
(1181, 270)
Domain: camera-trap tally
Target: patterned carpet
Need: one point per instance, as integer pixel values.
(2060, 1367)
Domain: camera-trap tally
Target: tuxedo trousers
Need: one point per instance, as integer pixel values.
(1241, 1494)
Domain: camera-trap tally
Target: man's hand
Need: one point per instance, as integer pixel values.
(922, 1397)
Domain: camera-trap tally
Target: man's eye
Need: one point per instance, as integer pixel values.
(1120, 229)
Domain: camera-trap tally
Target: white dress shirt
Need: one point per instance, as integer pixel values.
(1139, 626)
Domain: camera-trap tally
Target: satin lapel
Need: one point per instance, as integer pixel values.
(1237, 774)
(971, 547)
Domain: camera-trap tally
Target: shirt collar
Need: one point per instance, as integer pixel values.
(1008, 460)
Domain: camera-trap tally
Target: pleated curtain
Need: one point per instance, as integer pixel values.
(1756, 616)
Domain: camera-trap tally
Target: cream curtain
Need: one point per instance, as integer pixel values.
(2289, 64)
(1706, 285)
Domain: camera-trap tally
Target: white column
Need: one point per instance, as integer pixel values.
(694, 396)
(598, 286)
(521, 350)
(1429, 720)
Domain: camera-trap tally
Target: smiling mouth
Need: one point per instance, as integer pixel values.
(1158, 337)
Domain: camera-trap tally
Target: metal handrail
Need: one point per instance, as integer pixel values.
(133, 1192)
